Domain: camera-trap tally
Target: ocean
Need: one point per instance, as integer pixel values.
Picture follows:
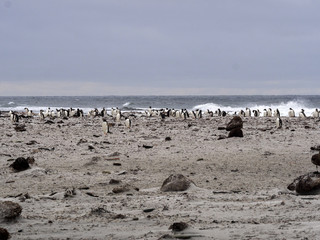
(229, 104)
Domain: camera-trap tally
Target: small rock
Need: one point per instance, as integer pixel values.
(167, 139)
(147, 146)
(221, 128)
(220, 137)
(20, 164)
(9, 210)
(148, 210)
(116, 164)
(178, 226)
(176, 182)
(114, 181)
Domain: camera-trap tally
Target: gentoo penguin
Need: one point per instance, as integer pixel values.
(291, 113)
(256, 113)
(278, 122)
(14, 117)
(302, 114)
(315, 114)
(218, 112)
(41, 115)
(265, 113)
(269, 112)
(241, 113)
(277, 113)
(118, 116)
(128, 123)
(247, 112)
(105, 126)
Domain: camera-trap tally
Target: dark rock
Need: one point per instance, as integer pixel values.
(178, 226)
(315, 159)
(49, 122)
(236, 122)
(4, 234)
(114, 181)
(220, 137)
(306, 184)
(315, 148)
(148, 210)
(124, 188)
(9, 210)
(236, 132)
(221, 128)
(167, 139)
(20, 164)
(91, 147)
(20, 128)
(116, 164)
(147, 146)
(32, 142)
(175, 182)
(82, 141)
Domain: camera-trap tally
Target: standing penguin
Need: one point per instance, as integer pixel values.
(278, 122)
(302, 114)
(291, 113)
(105, 127)
(128, 123)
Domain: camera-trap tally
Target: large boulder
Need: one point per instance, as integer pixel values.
(306, 184)
(236, 132)
(175, 183)
(4, 234)
(236, 122)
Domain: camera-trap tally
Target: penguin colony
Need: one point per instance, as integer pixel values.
(117, 116)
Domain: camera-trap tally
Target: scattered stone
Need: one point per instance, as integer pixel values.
(114, 181)
(176, 182)
(116, 164)
(49, 122)
(82, 141)
(148, 210)
(168, 139)
(4, 234)
(91, 194)
(306, 184)
(32, 142)
(221, 128)
(124, 188)
(235, 123)
(178, 226)
(91, 147)
(115, 154)
(21, 163)
(9, 210)
(235, 132)
(147, 146)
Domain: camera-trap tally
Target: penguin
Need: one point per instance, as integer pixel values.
(269, 112)
(277, 113)
(128, 123)
(247, 112)
(315, 159)
(291, 113)
(218, 112)
(265, 113)
(315, 114)
(256, 113)
(105, 127)
(41, 115)
(302, 114)
(223, 113)
(241, 113)
(210, 113)
(278, 122)
(118, 116)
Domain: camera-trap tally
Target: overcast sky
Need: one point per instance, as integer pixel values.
(163, 47)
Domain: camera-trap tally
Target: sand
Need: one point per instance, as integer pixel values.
(240, 189)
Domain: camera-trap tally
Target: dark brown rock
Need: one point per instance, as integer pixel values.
(178, 226)
(315, 159)
(175, 182)
(4, 234)
(236, 132)
(20, 164)
(9, 210)
(236, 122)
(306, 184)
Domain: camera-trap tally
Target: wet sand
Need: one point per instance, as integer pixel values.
(241, 183)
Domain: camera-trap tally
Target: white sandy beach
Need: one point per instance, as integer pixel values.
(241, 183)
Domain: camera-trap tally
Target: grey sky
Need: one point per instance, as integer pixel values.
(136, 47)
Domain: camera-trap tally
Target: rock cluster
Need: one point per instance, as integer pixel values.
(234, 127)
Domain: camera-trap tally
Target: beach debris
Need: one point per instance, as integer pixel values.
(4, 234)
(178, 226)
(20, 128)
(9, 210)
(236, 132)
(315, 159)
(21, 163)
(82, 140)
(306, 184)
(175, 182)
